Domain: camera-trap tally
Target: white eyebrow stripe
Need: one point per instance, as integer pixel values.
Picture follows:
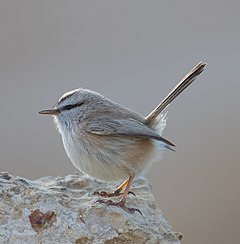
(63, 98)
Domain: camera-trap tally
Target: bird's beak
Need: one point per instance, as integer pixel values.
(50, 111)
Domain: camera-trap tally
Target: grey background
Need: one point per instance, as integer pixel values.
(133, 52)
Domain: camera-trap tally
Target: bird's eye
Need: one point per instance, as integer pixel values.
(70, 106)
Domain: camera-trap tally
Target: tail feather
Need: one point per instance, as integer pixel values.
(182, 85)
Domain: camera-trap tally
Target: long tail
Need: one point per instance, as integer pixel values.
(182, 85)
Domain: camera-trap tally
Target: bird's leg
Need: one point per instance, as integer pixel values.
(116, 193)
(121, 203)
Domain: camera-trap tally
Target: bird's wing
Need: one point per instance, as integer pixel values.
(123, 127)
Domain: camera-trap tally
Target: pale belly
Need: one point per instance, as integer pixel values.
(110, 159)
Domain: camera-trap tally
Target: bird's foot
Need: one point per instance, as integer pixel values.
(120, 204)
(116, 193)
(107, 194)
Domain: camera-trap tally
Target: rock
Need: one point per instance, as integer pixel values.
(64, 210)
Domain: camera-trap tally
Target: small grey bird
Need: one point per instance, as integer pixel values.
(109, 141)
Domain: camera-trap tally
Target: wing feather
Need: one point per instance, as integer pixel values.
(124, 127)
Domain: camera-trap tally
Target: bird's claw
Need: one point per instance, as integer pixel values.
(107, 194)
(120, 204)
(111, 194)
(130, 192)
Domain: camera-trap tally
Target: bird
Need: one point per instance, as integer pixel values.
(110, 142)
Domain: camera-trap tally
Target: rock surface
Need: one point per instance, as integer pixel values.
(64, 210)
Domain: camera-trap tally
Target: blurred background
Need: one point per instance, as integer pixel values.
(133, 52)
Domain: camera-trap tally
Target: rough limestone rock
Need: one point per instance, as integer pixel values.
(64, 210)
